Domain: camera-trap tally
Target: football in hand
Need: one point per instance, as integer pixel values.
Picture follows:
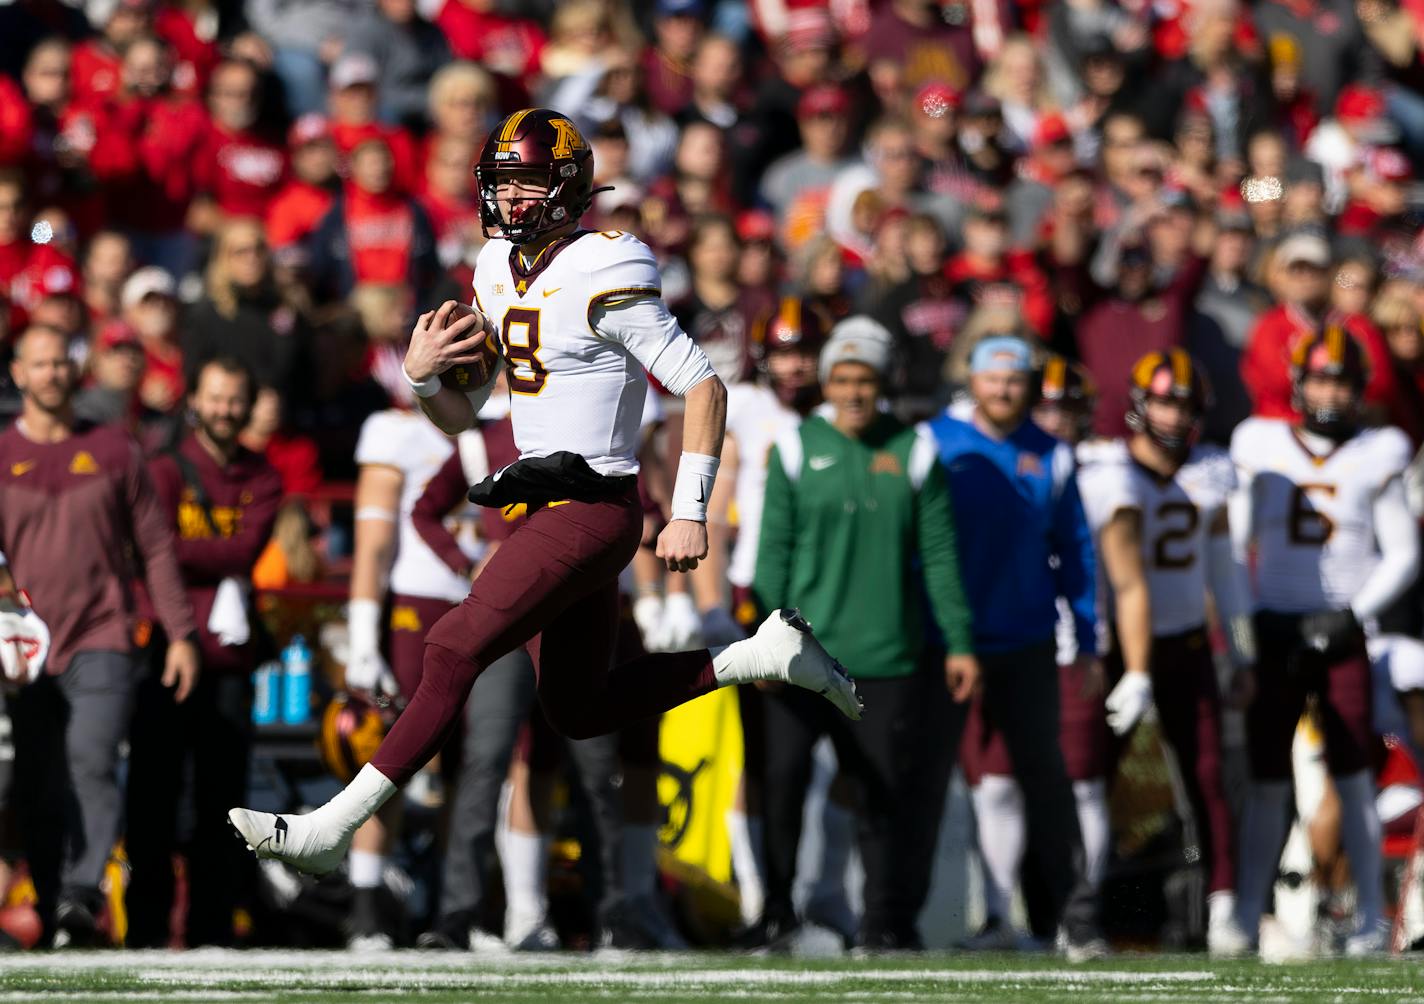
(465, 377)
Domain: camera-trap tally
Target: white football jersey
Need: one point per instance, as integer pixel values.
(755, 419)
(407, 441)
(1176, 519)
(1104, 488)
(1312, 517)
(577, 384)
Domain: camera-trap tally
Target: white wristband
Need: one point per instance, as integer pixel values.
(695, 474)
(428, 387)
(363, 625)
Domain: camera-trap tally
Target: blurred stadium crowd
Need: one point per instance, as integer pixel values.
(281, 185)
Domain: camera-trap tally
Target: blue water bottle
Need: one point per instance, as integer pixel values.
(296, 682)
(266, 692)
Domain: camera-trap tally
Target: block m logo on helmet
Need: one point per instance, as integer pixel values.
(569, 139)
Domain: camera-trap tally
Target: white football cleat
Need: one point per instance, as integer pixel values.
(300, 841)
(1225, 937)
(786, 636)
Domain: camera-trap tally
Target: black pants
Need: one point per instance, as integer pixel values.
(201, 746)
(900, 754)
(1020, 702)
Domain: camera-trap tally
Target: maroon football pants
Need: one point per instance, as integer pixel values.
(1188, 702)
(552, 587)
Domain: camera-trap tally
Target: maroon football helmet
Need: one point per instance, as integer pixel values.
(542, 140)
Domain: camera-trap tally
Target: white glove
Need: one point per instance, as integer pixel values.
(365, 669)
(648, 614)
(681, 628)
(24, 643)
(720, 628)
(1129, 701)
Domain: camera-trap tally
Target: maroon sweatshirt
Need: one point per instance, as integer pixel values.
(244, 496)
(74, 515)
(448, 488)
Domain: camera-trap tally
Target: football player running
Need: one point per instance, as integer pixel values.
(1322, 501)
(1182, 490)
(578, 318)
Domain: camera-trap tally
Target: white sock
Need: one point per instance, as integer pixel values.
(358, 801)
(1360, 836)
(1091, 798)
(365, 869)
(999, 811)
(525, 868)
(1263, 833)
(744, 833)
(837, 835)
(639, 855)
(1220, 907)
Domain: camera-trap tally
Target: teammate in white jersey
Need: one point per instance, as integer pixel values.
(1181, 491)
(578, 320)
(1323, 504)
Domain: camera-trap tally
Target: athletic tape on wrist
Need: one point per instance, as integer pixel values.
(428, 387)
(696, 473)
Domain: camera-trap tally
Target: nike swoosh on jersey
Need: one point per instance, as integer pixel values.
(820, 463)
(550, 292)
(23, 467)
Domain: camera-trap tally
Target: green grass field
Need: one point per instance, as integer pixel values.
(220, 976)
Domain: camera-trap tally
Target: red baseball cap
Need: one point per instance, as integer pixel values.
(310, 128)
(823, 99)
(756, 225)
(1359, 103)
(936, 99)
(809, 29)
(117, 333)
(1051, 129)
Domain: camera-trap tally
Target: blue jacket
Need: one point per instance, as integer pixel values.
(1023, 538)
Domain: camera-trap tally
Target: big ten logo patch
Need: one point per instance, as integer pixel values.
(193, 519)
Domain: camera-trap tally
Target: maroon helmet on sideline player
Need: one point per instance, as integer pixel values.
(352, 726)
(792, 326)
(535, 139)
(1068, 387)
(1173, 375)
(1331, 352)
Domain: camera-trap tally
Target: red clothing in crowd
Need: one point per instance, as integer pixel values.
(451, 219)
(82, 138)
(1265, 365)
(195, 57)
(28, 273)
(96, 70)
(163, 372)
(1016, 268)
(241, 171)
(172, 133)
(407, 167)
(297, 460)
(502, 43)
(16, 129)
(295, 212)
(379, 232)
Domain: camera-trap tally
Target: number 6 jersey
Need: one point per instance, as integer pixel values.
(1312, 516)
(577, 329)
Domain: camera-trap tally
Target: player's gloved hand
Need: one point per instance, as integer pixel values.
(1129, 701)
(681, 628)
(24, 642)
(365, 669)
(720, 628)
(1331, 633)
(648, 615)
